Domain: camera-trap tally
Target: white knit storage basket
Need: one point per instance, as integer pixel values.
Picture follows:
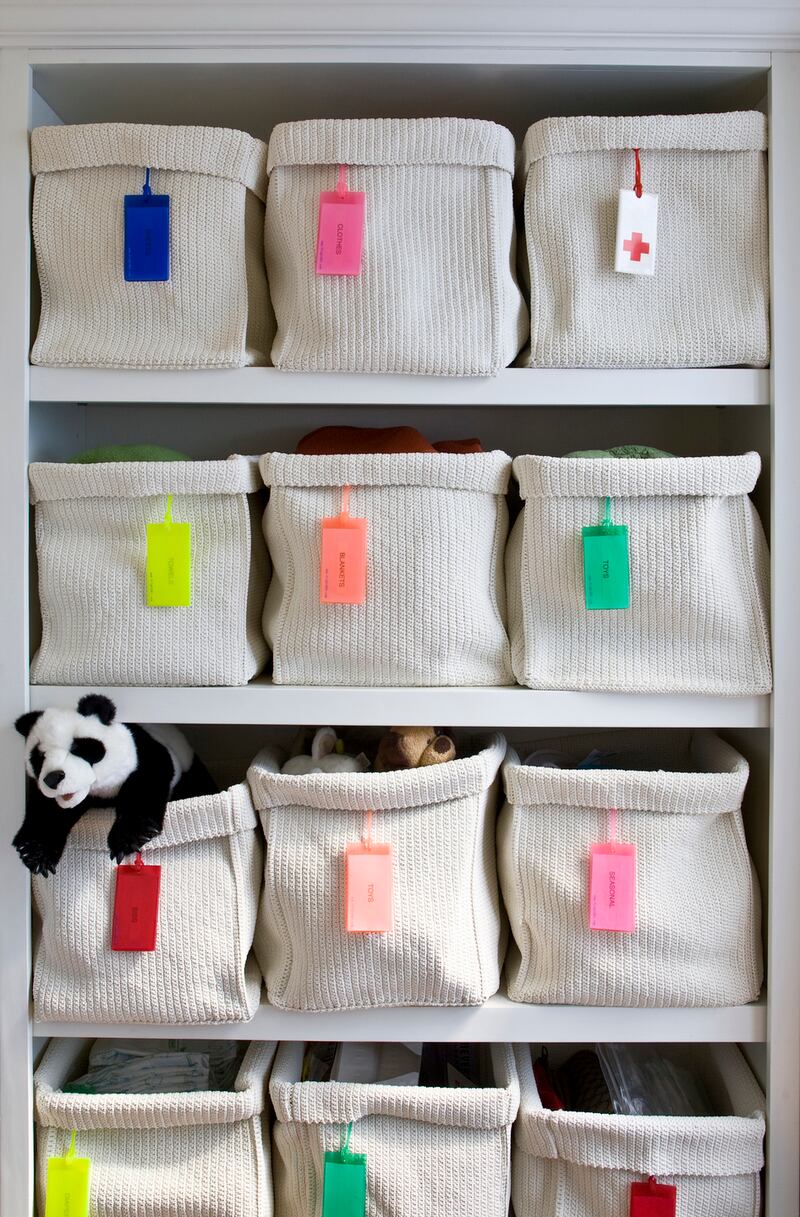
(213, 311)
(697, 940)
(193, 1154)
(698, 616)
(202, 969)
(430, 1150)
(446, 944)
(435, 604)
(437, 293)
(91, 545)
(706, 305)
(572, 1164)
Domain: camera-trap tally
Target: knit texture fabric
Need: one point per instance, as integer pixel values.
(91, 545)
(161, 1155)
(214, 309)
(437, 293)
(570, 1164)
(202, 970)
(707, 303)
(435, 606)
(697, 940)
(430, 1150)
(699, 577)
(445, 946)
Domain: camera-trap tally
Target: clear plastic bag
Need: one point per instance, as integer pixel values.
(643, 1082)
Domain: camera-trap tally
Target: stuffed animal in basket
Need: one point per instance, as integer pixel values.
(413, 748)
(327, 756)
(82, 759)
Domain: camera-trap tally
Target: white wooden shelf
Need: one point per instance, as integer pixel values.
(497, 1021)
(512, 387)
(262, 703)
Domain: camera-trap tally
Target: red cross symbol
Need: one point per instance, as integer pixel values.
(636, 247)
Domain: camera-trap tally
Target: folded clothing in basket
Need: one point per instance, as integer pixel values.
(158, 1067)
(623, 1080)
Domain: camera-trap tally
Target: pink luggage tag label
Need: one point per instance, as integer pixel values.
(612, 883)
(637, 229)
(340, 231)
(653, 1199)
(343, 564)
(368, 886)
(135, 922)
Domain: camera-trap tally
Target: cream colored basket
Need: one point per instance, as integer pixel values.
(437, 293)
(706, 305)
(699, 576)
(213, 311)
(430, 1150)
(571, 1164)
(160, 1155)
(697, 940)
(445, 947)
(91, 545)
(202, 970)
(435, 605)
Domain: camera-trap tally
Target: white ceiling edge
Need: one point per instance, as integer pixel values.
(448, 25)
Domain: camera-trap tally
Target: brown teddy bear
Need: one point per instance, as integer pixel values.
(413, 747)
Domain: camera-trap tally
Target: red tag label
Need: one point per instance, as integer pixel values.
(612, 887)
(340, 234)
(136, 907)
(368, 889)
(653, 1199)
(343, 569)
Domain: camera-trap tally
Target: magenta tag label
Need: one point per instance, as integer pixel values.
(340, 236)
(612, 888)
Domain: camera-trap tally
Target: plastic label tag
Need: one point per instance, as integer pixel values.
(135, 923)
(67, 1191)
(146, 236)
(344, 1185)
(169, 563)
(340, 231)
(637, 232)
(368, 886)
(653, 1199)
(606, 565)
(343, 565)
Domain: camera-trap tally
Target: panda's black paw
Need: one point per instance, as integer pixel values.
(40, 857)
(125, 839)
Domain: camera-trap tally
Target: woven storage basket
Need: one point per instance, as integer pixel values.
(697, 940)
(91, 545)
(430, 1150)
(202, 970)
(213, 311)
(437, 293)
(698, 616)
(445, 947)
(160, 1155)
(570, 1164)
(707, 303)
(435, 605)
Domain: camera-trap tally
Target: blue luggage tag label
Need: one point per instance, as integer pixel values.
(146, 236)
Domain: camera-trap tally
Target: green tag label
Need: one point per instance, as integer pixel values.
(344, 1186)
(169, 563)
(606, 568)
(67, 1192)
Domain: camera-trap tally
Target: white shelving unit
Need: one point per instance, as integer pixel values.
(55, 72)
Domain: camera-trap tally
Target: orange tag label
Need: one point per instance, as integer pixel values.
(343, 569)
(368, 889)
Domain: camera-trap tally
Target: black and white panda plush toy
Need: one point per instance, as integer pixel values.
(82, 759)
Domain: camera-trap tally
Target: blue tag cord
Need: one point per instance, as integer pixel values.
(146, 188)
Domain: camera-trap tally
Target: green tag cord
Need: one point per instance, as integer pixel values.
(606, 565)
(67, 1193)
(169, 563)
(344, 1184)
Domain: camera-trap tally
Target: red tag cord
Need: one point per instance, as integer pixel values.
(637, 184)
(341, 182)
(345, 501)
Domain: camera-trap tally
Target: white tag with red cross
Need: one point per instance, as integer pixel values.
(637, 232)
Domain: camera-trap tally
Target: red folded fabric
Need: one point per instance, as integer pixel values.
(337, 441)
(459, 445)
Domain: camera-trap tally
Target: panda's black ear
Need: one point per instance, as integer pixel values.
(99, 706)
(26, 721)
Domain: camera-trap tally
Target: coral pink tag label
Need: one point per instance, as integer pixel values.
(368, 888)
(340, 234)
(343, 569)
(653, 1199)
(612, 887)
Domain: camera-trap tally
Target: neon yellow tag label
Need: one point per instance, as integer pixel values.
(169, 563)
(67, 1192)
